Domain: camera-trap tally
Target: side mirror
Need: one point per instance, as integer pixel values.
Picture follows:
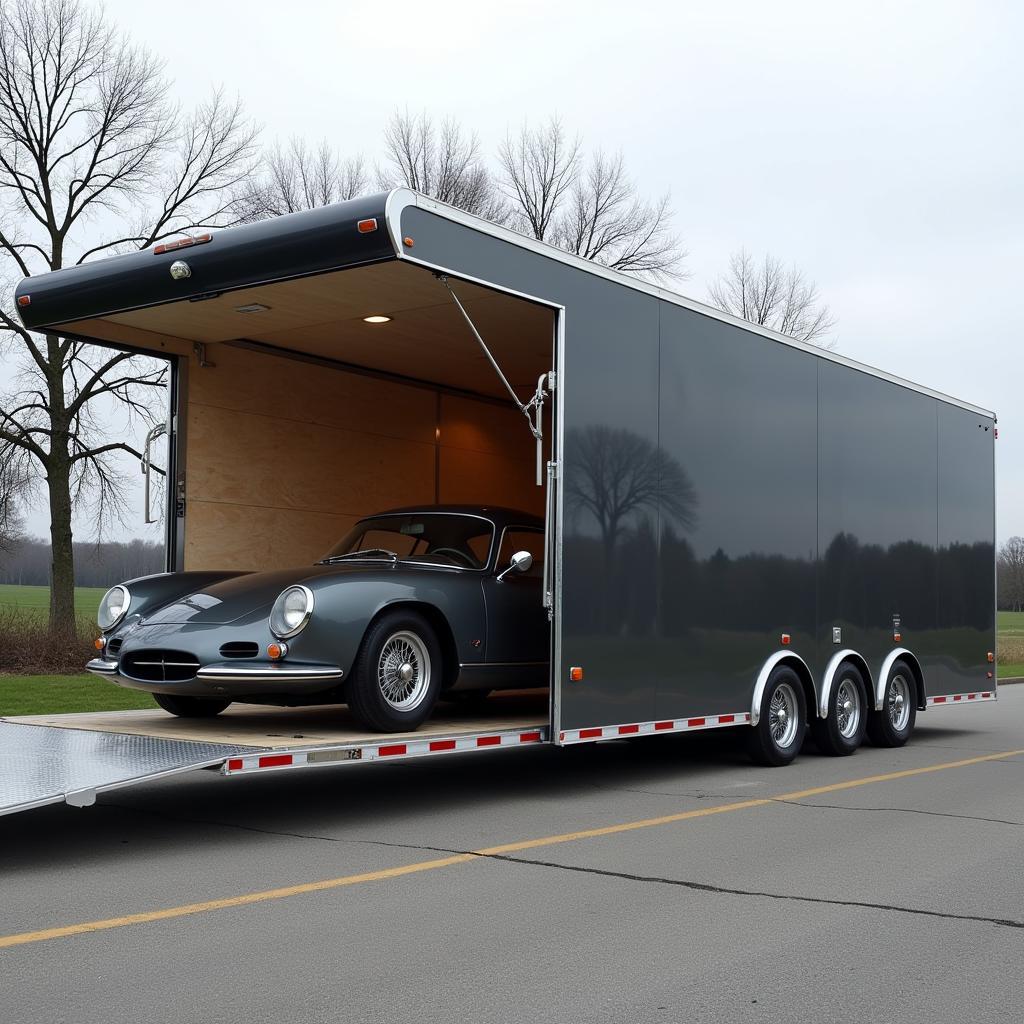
(522, 561)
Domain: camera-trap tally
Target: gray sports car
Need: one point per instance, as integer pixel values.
(412, 605)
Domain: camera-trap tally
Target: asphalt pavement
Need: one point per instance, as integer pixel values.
(664, 879)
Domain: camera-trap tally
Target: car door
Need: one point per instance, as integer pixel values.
(517, 621)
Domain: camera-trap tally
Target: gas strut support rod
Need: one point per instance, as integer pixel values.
(533, 409)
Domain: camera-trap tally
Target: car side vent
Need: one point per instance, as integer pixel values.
(240, 649)
(114, 646)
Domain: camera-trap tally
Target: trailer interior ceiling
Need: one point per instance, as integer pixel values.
(306, 417)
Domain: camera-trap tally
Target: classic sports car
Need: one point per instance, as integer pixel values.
(411, 605)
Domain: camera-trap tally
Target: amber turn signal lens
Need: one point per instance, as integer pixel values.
(408, 242)
(99, 643)
(277, 651)
(991, 657)
(576, 674)
(366, 226)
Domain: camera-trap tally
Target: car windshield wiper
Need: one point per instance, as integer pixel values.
(365, 553)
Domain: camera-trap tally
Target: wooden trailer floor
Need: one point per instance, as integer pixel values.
(279, 728)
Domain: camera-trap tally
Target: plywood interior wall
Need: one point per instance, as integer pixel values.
(283, 456)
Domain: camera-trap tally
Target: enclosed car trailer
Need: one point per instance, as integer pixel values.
(725, 507)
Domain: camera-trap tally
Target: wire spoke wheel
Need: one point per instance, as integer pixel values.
(899, 703)
(783, 717)
(403, 671)
(848, 709)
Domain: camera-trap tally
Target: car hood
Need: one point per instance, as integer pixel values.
(242, 596)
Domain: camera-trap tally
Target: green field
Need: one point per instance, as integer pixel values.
(37, 599)
(1010, 624)
(55, 695)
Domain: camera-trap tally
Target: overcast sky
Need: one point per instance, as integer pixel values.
(880, 150)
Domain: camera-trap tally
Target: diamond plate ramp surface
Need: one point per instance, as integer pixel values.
(40, 765)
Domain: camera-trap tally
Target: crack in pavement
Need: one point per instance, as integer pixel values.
(728, 891)
(901, 810)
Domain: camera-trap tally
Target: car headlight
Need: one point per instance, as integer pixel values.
(113, 607)
(291, 611)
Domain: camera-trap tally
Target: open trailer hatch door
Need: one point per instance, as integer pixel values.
(41, 765)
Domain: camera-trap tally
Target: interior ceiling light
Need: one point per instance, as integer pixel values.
(253, 307)
(377, 318)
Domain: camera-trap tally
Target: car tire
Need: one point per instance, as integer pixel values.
(892, 726)
(782, 723)
(190, 707)
(398, 673)
(841, 731)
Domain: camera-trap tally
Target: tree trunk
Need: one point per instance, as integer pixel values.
(62, 565)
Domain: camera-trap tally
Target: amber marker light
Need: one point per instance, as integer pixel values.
(24, 300)
(275, 652)
(377, 318)
(897, 637)
(991, 657)
(364, 227)
(576, 674)
(99, 643)
(786, 639)
(408, 242)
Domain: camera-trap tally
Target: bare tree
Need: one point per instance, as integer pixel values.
(90, 145)
(13, 485)
(296, 177)
(591, 208)
(1010, 574)
(768, 294)
(440, 161)
(539, 167)
(616, 473)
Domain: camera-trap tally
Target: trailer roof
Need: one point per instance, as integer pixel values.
(315, 242)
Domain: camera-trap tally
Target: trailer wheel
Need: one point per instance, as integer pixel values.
(892, 726)
(841, 731)
(398, 673)
(782, 724)
(190, 707)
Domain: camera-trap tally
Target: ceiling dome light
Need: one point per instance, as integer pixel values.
(377, 318)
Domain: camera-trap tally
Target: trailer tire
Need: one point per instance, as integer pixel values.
(892, 726)
(398, 673)
(190, 707)
(782, 723)
(841, 731)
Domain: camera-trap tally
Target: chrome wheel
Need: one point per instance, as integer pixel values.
(403, 671)
(783, 716)
(899, 703)
(848, 709)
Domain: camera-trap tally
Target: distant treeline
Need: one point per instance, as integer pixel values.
(96, 565)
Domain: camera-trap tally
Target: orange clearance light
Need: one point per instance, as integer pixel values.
(991, 657)
(364, 227)
(786, 638)
(182, 243)
(275, 652)
(24, 300)
(408, 242)
(897, 637)
(576, 674)
(99, 643)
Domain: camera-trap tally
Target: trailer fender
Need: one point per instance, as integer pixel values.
(830, 673)
(766, 670)
(883, 676)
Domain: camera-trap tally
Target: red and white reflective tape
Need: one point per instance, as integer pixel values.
(612, 732)
(961, 698)
(267, 760)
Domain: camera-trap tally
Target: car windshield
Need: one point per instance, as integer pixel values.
(438, 538)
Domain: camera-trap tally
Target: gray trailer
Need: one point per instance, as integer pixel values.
(742, 530)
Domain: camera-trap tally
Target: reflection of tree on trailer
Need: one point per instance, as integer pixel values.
(741, 529)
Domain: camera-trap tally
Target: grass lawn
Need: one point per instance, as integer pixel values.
(1011, 671)
(1010, 624)
(37, 599)
(54, 695)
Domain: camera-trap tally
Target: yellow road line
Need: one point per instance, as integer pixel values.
(24, 938)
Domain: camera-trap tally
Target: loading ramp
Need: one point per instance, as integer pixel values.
(74, 757)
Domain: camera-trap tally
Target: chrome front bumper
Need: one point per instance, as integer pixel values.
(227, 672)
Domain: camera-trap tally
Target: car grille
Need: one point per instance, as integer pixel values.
(114, 646)
(160, 666)
(240, 649)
